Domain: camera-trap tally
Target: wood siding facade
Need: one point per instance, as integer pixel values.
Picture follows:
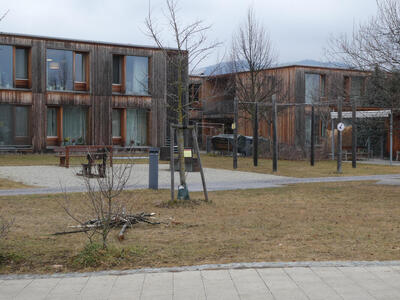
(99, 98)
(217, 98)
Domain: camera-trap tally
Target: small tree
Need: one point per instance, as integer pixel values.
(101, 202)
(252, 54)
(192, 47)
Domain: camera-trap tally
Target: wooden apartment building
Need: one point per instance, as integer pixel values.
(301, 86)
(57, 91)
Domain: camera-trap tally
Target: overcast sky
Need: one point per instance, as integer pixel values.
(299, 29)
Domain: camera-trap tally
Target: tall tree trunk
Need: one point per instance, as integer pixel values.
(255, 136)
(180, 138)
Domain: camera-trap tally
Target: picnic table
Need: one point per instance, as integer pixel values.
(66, 152)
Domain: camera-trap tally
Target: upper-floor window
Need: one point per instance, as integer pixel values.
(66, 70)
(131, 75)
(14, 67)
(357, 87)
(315, 87)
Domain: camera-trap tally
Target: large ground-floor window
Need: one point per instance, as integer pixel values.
(67, 125)
(136, 127)
(129, 126)
(14, 125)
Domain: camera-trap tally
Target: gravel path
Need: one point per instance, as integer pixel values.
(50, 179)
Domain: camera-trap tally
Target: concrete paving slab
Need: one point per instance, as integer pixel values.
(341, 284)
(157, 286)
(281, 285)
(38, 289)
(370, 283)
(127, 287)
(11, 288)
(387, 274)
(188, 285)
(218, 285)
(98, 287)
(250, 285)
(313, 286)
(68, 287)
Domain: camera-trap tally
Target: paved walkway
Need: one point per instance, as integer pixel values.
(323, 281)
(53, 179)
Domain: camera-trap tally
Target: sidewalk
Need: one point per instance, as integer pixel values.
(52, 178)
(330, 280)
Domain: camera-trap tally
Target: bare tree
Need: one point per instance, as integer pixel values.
(192, 47)
(251, 55)
(4, 15)
(375, 42)
(101, 201)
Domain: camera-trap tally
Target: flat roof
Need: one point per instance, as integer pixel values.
(40, 37)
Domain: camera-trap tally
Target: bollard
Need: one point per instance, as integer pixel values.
(153, 168)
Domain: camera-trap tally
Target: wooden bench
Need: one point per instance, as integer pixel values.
(66, 152)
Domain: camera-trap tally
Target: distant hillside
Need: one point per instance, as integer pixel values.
(226, 67)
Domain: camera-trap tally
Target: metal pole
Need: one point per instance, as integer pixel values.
(312, 136)
(333, 138)
(235, 134)
(255, 136)
(354, 135)
(172, 161)
(339, 152)
(274, 137)
(391, 137)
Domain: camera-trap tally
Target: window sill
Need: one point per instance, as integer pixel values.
(67, 92)
(16, 89)
(130, 95)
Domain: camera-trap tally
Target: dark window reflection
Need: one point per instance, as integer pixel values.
(59, 70)
(6, 68)
(21, 63)
(117, 69)
(137, 73)
(80, 72)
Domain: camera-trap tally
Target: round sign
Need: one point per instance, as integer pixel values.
(340, 126)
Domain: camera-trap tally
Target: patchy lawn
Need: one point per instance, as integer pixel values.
(330, 221)
(6, 184)
(51, 160)
(302, 169)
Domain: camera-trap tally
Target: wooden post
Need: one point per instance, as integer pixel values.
(333, 138)
(312, 136)
(203, 180)
(391, 138)
(172, 161)
(354, 134)
(235, 134)
(255, 136)
(339, 150)
(274, 136)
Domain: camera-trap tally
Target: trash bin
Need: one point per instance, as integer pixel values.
(153, 168)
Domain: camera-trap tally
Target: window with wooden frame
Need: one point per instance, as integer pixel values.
(15, 68)
(67, 125)
(118, 84)
(130, 75)
(314, 87)
(67, 70)
(118, 126)
(15, 125)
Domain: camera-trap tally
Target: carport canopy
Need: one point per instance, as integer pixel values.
(363, 114)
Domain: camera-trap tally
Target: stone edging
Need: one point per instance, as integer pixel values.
(252, 265)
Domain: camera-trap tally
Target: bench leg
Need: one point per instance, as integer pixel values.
(62, 161)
